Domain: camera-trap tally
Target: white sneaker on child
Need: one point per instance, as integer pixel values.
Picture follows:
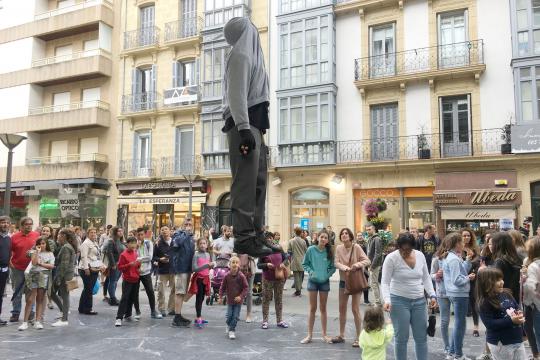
(118, 322)
(462, 357)
(60, 323)
(38, 325)
(232, 336)
(23, 326)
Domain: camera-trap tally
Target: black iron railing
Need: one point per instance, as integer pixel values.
(463, 54)
(145, 101)
(147, 36)
(160, 167)
(181, 29)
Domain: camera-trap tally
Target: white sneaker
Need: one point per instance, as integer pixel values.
(38, 325)
(462, 357)
(137, 317)
(60, 323)
(226, 329)
(23, 326)
(484, 356)
(118, 322)
(232, 336)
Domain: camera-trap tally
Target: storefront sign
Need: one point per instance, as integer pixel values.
(158, 185)
(158, 200)
(525, 138)
(486, 197)
(478, 214)
(69, 205)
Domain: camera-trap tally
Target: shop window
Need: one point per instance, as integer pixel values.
(312, 204)
(535, 204)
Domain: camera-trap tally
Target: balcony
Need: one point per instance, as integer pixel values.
(160, 167)
(60, 117)
(181, 99)
(345, 6)
(141, 40)
(84, 16)
(453, 145)
(140, 104)
(432, 63)
(60, 167)
(61, 69)
(183, 32)
(216, 163)
(217, 18)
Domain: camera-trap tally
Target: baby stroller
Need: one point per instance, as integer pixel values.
(220, 271)
(257, 288)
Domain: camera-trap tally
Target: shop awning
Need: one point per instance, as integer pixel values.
(161, 199)
(478, 213)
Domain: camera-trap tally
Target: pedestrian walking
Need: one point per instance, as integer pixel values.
(162, 256)
(65, 271)
(457, 282)
(471, 247)
(297, 250)
(200, 280)
(501, 316)
(5, 254)
(375, 336)
(442, 299)
(21, 243)
(235, 287)
(37, 277)
(182, 251)
(375, 255)
(145, 251)
(405, 277)
(274, 276)
(319, 264)
(114, 248)
(128, 265)
(349, 257)
(90, 265)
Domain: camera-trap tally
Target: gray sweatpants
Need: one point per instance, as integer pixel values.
(248, 187)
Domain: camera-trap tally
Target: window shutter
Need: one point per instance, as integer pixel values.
(197, 71)
(152, 94)
(175, 74)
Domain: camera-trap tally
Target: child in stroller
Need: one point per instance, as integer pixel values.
(220, 271)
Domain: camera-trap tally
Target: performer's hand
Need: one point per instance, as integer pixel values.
(247, 141)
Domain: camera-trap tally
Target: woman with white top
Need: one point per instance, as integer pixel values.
(405, 276)
(89, 267)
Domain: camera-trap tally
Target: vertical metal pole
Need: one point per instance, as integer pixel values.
(7, 195)
(190, 200)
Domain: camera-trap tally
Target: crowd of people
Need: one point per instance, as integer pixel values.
(495, 279)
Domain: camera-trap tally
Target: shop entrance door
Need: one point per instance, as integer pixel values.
(163, 216)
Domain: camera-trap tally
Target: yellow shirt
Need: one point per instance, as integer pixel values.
(374, 343)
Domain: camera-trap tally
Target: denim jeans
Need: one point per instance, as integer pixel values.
(444, 307)
(536, 324)
(461, 305)
(233, 313)
(17, 284)
(114, 275)
(409, 313)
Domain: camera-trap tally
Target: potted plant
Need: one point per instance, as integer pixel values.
(506, 136)
(423, 148)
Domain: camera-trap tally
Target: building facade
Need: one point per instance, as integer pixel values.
(384, 100)
(172, 65)
(58, 88)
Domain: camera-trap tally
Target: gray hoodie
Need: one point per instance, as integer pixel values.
(245, 83)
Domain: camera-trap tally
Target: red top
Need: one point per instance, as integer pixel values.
(130, 273)
(20, 244)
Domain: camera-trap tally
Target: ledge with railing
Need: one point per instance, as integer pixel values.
(182, 29)
(78, 6)
(181, 96)
(441, 57)
(70, 158)
(486, 142)
(147, 101)
(69, 57)
(143, 37)
(40, 110)
(160, 167)
(216, 162)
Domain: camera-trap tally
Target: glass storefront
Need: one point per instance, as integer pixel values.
(420, 212)
(92, 212)
(312, 204)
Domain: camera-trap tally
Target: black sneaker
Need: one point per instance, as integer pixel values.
(178, 322)
(114, 302)
(171, 313)
(183, 319)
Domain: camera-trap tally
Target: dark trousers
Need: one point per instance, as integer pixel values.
(105, 286)
(529, 327)
(146, 280)
(3, 281)
(248, 187)
(85, 302)
(199, 298)
(366, 291)
(60, 296)
(129, 293)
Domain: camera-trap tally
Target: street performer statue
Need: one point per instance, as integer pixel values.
(245, 110)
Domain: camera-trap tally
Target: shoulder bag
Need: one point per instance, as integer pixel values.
(355, 280)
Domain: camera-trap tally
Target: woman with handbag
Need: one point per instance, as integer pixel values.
(351, 261)
(90, 265)
(274, 277)
(64, 280)
(405, 277)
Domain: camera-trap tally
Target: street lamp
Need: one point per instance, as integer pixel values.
(10, 141)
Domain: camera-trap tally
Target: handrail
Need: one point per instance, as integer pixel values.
(74, 7)
(70, 158)
(69, 57)
(38, 110)
(183, 28)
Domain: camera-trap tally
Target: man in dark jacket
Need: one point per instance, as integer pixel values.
(161, 259)
(375, 255)
(428, 243)
(182, 251)
(5, 254)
